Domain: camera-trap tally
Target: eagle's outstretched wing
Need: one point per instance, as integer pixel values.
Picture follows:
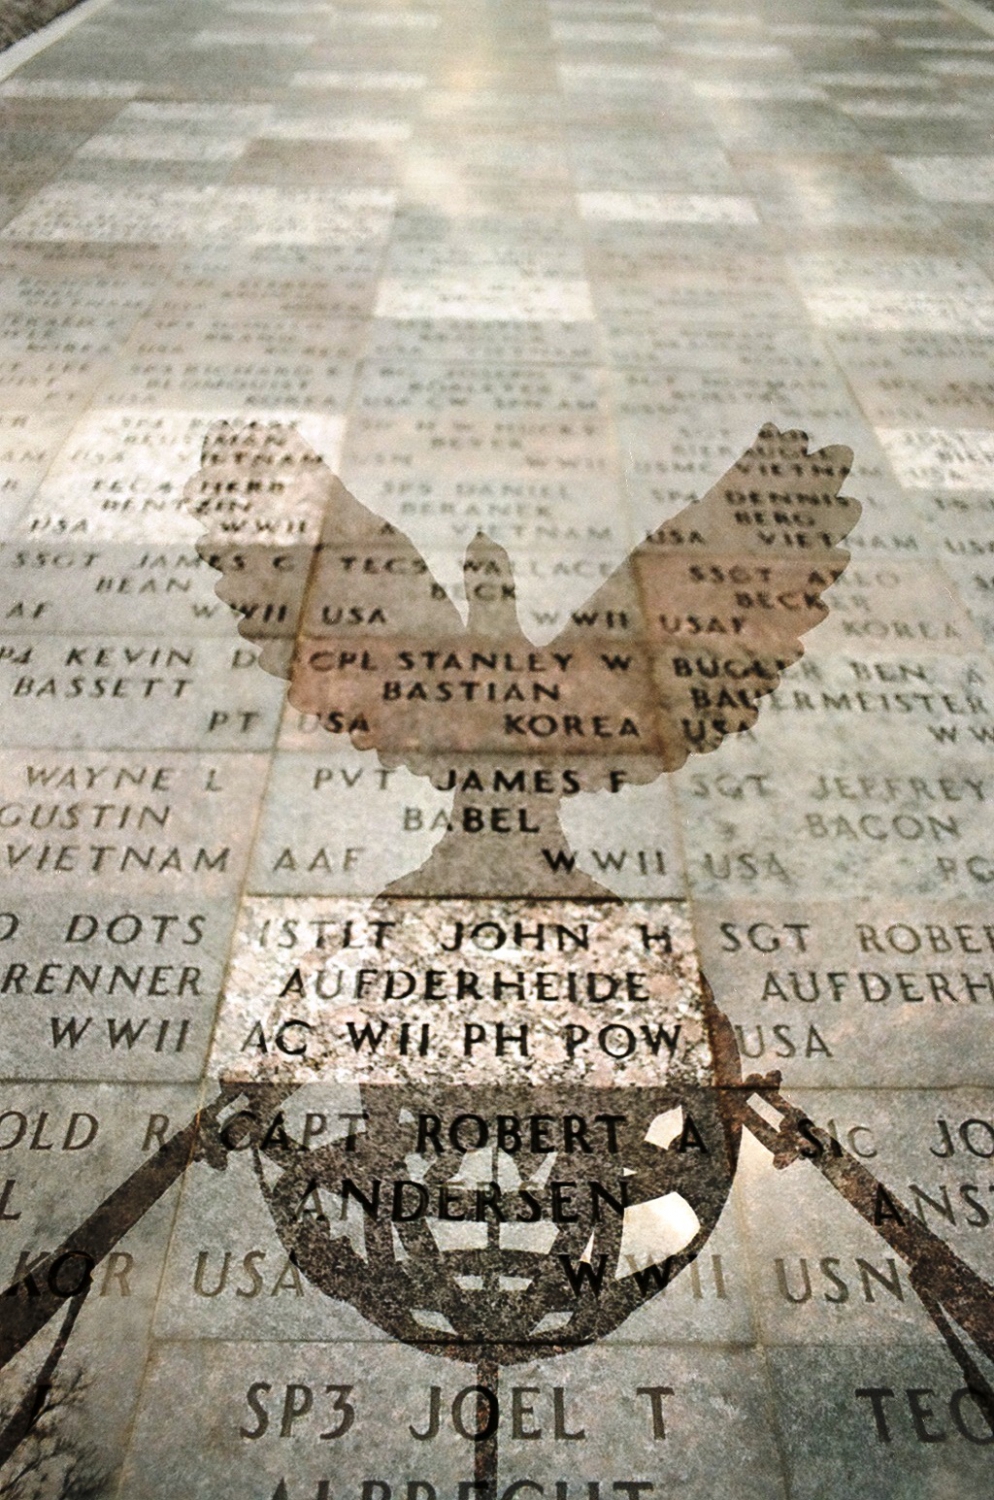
(341, 603)
(299, 555)
(710, 608)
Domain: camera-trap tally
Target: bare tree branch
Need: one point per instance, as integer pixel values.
(51, 1463)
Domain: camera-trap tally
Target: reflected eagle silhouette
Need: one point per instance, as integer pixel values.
(705, 614)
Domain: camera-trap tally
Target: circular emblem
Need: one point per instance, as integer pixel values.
(524, 1221)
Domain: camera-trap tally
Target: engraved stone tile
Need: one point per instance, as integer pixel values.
(927, 293)
(718, 1400)
(906, 109)
(885, 993)
(119, 988)
(798, 191)
(915, 378)
(646, 306)
(629, 841)
(865, 79)
(949, 179)
(147, 145)
(692, 341)
(883, 605)
(384, 82)
(858, 831)
(169, 823)
(525, 422)
(957, 459)
(959, 524)
(139, 693)
(213, 1380)
(80, 211)
(318, 127)
(47, 381)
(219, 1259)
(631, 32)
(557, 1038)
(534, 518)
(665, 208)
(315, 835)
(787, 126)
(910, 273)
(964, 561)
(68, 1144)
(645, 162)
(228, 1275)
(259, 320)
(685, 460)
(672, 396)
(114, 585)
(498, 296)
(28, 444)
(69, 88)
(916, 1144)
(618, 77)
(135, 462)
(960, 67)
(929, 1394)
(428, 340)
(280, 216)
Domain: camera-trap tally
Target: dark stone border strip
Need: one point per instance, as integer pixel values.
(19, 18)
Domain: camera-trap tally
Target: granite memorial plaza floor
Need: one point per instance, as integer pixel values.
(401, 856)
